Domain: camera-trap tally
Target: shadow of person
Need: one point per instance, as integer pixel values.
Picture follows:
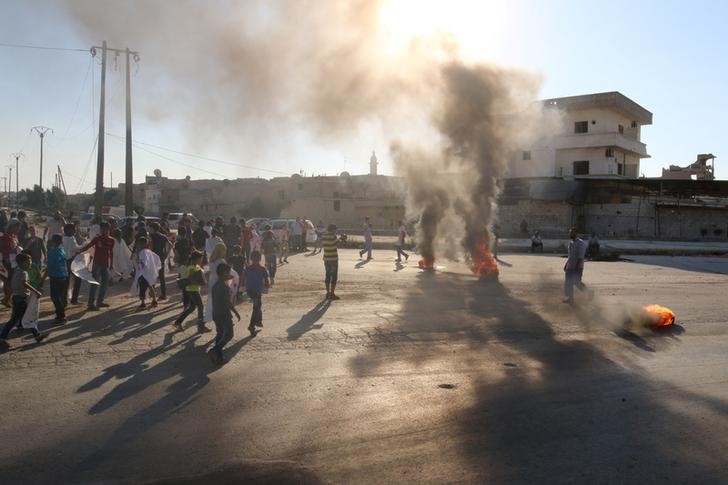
(308, 321)
(398, 266)
(361, 264)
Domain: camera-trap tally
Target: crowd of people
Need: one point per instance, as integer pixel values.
(224, 259)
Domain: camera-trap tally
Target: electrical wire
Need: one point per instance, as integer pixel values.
(224, 162)
(42, 47)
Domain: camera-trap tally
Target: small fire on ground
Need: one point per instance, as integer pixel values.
(427, 263)
(658, 316)
(482, 262)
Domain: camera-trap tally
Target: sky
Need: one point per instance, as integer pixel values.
(670, 57)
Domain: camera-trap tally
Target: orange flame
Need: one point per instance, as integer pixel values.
(427, 263)
(482, 262)
(659, 316)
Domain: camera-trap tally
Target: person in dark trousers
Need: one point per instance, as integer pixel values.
(199, 240)
(367, 240)
(246, 234)
(237, 261)
(160, 247)
(36, 246)
(256, 278)
(195, 280)
(331, 261)
(8, 248)
(269, 246)
(182, 248)
(21, 289)
(103, 245)
(57, 271)
(23, 229)
(401, 237)
(536, 243)
(71, 248)
(574, 267)
(222, 313)
(231, 235)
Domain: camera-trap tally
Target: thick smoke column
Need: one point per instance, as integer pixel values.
(266, 69)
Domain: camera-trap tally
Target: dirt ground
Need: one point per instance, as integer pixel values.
(410, 377)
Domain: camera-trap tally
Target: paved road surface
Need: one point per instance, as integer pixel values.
(410, 377)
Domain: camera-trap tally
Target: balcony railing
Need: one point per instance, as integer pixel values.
(598, 140)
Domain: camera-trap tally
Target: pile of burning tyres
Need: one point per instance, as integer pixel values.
(482, 263)
(656, 316)
(651, 317)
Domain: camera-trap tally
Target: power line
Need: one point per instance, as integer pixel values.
(224, 162)
(42, 47)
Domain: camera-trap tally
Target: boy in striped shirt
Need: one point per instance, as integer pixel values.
(330, 243)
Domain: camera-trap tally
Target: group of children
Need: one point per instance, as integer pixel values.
(224, 287)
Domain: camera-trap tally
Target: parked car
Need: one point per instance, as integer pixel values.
(260, 222)
(173, 219)
(277, 225)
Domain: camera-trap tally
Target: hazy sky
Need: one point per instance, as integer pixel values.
(670, 57)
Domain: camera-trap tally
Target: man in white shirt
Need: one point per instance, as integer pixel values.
(574, 267)
(72, 248)
(54, 225)
(367, 240)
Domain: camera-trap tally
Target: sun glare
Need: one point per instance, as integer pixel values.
(476, 26)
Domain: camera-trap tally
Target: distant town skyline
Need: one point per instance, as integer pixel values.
(648, 51)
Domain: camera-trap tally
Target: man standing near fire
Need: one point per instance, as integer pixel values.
(574, 267)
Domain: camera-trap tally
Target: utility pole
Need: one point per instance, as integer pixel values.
(17, 156)
(41, 130)
(128, 193)
(99, 198)
(128, 187)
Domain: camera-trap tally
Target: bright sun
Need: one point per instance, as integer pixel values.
(475, 24)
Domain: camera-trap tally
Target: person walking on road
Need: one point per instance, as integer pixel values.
(161, 246)
(57, 271)
(367, 240)
(331, 261)
(574, 267)
(103, 245)
(192, 285)
(21, 290)
(256, 278)
(401, 236)
(223, 310)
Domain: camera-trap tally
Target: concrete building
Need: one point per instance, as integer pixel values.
(344, 199)
(599, 136)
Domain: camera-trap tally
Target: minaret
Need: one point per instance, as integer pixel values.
(373, 164)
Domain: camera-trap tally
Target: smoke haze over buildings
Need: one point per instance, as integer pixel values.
(248, 72)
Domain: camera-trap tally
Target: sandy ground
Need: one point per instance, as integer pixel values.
(410, 377)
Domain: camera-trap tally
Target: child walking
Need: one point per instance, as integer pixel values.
(222, 311)
(237, 261)
(194, 281)
(148, 265)
(21, 291)
(57, 271)
(256, 278)
(270, 248)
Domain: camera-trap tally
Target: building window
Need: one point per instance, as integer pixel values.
(281, 194)
(527, 155)
(337, 205)
(581, 167)
(300, 186)
(609, 152)
(620, 129)
(620, 169)
(581, 127)
(634, 124)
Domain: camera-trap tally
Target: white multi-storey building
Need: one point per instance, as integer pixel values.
(599, 136)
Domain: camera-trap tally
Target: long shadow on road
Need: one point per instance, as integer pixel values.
(561, 411)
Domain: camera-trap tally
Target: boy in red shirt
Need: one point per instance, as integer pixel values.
(103, 245)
